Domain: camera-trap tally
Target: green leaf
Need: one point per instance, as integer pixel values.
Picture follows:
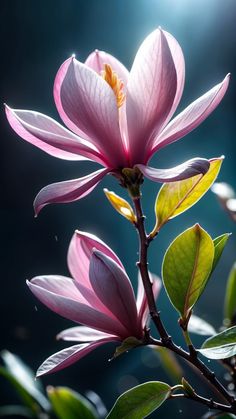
(23, 379)
(186, 267)
(230, 295)
(169, 363)
(26, 398)
(188, 389)
(126, 345)
(68, 404)
(220, 346)
(219, 244)
(176, 197)
(200, 326)
(140, 401)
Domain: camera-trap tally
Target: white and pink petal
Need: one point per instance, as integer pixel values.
(68, 356)
(97, 60)
(185, 170)
(113, 287)
(151, 92)
(51, 137)
(83, 334)
(68, 191)
(74, 310)
(86, 101)
(192, 116)
(79, 254)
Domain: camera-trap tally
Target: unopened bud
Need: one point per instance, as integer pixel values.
(121, 205)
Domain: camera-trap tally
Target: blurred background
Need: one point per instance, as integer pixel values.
(36, 38)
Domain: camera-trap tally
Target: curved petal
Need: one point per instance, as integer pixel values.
(178, 58)
(75, 310)
(68, 191)
(49, 136)
(185, 170)
(60, 285)
(79, 254)
(142, 302)
(192, 116)
(68, 356)
(90, 104)
(97, 59)
(113, 288)
(83, 334)
(151, 92)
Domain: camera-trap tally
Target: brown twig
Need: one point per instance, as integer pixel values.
(165, 339)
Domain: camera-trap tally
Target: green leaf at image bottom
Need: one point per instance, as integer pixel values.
(220, 346)
(140, 401)
(68, 404)
(186, 267)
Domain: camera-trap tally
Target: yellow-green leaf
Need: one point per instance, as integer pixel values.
(121, 205)
(230, 295)
(176, 197)
(186, 267)
(69, 404)
(219, 243)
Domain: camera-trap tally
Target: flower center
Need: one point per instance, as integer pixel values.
(115, 83)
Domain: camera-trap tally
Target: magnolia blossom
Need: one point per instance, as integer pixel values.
(99, 296)
(117, 118)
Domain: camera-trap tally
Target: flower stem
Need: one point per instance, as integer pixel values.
(165, 339)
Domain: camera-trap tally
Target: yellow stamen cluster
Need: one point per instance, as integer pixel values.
(116, 84)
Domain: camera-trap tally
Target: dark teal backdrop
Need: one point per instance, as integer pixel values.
(36, 37)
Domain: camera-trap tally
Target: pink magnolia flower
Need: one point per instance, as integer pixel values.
(117, 118)
(99, 296)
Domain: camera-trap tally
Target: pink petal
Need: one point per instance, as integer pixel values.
(97, 59)
(51, 137)
(73, 309)
(113, 288)
(68, 356)
(185, 170)
(82, 334)
(151, 92)
(60, 285)
(68, 191)
(192, 116)
(79, 254)
(178, 58)
(86, 101)
(142, 302)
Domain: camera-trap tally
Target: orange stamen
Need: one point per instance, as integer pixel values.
(116, 84)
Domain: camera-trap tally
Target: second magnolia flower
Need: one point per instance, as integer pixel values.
(99, 296)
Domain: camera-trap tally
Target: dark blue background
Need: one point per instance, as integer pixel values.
(36, 37)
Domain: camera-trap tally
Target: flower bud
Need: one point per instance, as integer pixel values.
(121, 205)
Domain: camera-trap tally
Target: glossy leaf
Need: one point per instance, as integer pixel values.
(140, 401)
(121, 205)
(23, 379)
(68, 404)
(219, 244)
(170, 364)
(220, 346)
(186, 268)
(176, 197)
(200, 326)
(230, 295)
